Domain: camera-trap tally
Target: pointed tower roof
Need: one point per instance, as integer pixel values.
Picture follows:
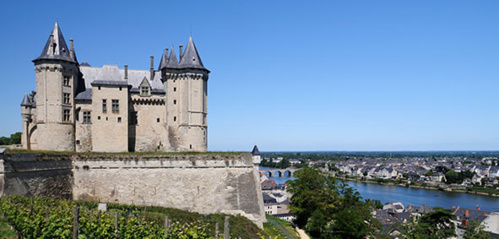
(55, 48)
(191, 58)
(255, 151)
(163, 61)
(26, 101)
(172, 60)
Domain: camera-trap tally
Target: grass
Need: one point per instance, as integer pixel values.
(5, 231)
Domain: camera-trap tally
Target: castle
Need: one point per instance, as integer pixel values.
(77, 107)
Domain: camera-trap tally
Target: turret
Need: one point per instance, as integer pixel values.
(257, 158)
(56, 83)
(26, 106)
(186, 84)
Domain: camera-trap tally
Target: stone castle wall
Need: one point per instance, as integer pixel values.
(204, 183)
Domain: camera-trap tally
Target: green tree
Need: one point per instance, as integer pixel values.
(452, 177)
(436, 224)
(322, 206)
(315, 198)
(474, 230)
(15, 138)
(284, 163)
(352, 222)
(4, 140)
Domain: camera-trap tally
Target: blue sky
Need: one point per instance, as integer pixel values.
(293, 75)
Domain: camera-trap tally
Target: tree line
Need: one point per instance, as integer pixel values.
(13, 139)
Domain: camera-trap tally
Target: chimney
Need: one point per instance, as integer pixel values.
(152, 68)
(478, 208)
(71, 49)
(466, 213)
(484, 214)
(409, 207)
(126, 72)
(181, 52)
(465, 222)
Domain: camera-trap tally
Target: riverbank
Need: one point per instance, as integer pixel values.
(385, 182)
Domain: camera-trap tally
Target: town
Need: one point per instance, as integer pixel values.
(457, 173)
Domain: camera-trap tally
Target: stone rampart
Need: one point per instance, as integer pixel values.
(36, 175)
(204, 183)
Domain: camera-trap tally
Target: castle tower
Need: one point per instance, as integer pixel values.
(56, 78)
(186, 86)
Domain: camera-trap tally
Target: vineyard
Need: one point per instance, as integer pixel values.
(50, 218)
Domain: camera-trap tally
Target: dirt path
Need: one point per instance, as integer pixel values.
(302, 233)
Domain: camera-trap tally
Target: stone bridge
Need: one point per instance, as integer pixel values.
(286, 172)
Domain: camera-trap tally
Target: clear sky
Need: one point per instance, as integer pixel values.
(292, 75)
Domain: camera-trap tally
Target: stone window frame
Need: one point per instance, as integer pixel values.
(66, 115)
(66, 98)
(104, 105)
(145, 91)
(66, 81)
(115, 104)
(87, 119)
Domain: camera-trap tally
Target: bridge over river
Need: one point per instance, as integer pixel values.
(277, 172)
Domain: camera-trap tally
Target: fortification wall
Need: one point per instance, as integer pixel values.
(36, 175)
(204, 183)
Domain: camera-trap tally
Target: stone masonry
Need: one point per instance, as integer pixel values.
(203, 183)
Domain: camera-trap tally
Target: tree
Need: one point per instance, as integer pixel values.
(14, 139)
(352, 222)
(452, 177)
(315, 196)
(284, 163)
(474, 230)
(435, 224)
(322, 206)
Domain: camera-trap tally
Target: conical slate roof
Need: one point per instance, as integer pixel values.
(191, 58)
(55, 48)
(26, 101)
(255, 151)
(163, 61)
(172, 60)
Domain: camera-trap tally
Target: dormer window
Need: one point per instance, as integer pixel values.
(145, 88)
(145, 91)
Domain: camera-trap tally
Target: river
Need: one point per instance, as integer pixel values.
(417, 196)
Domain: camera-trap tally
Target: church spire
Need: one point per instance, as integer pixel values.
(191, 57)
(55, 48)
